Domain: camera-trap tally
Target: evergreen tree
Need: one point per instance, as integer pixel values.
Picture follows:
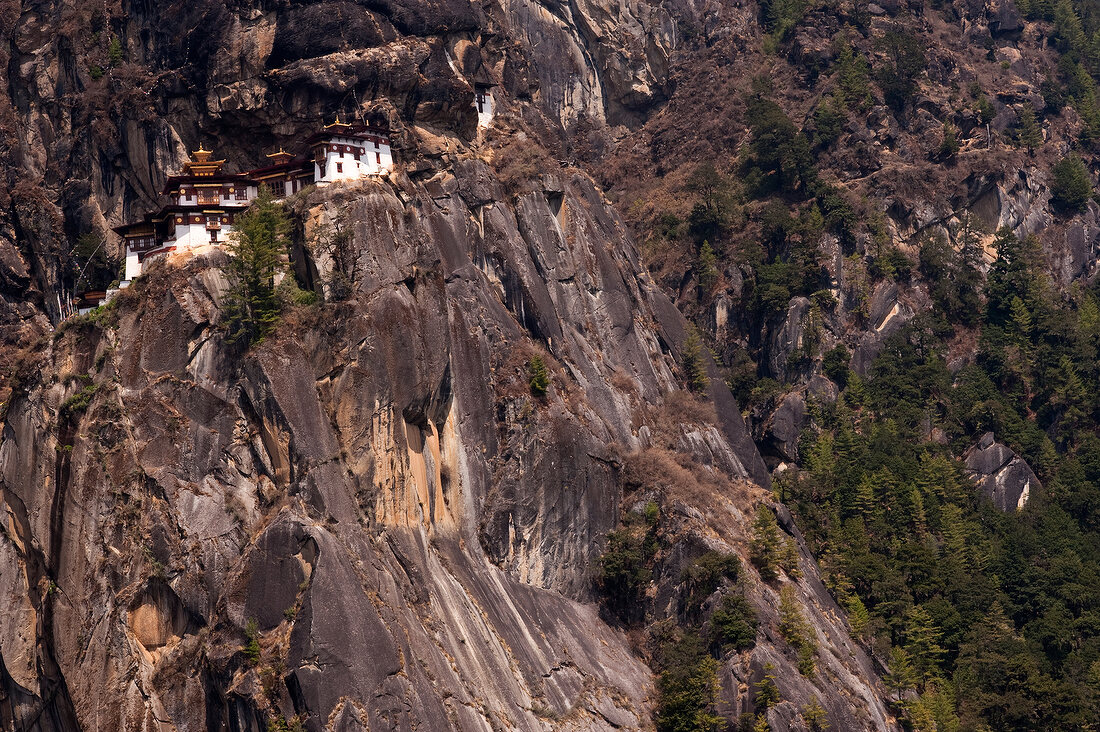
(858, 617)
(788, 559)
(710, 216)
(900, 677)
(1021, 321)
(796, 631)
(853, 77)
(732, 625)
(986, 113)
(766, 543)
(923, 643)
(905, 61)
(706, 268)
(538, 377)
(1030, 134)
(114, 51)
(693, 362)
(920, 519)
(949, 146)
(688, 698)
(863, 502)
(1071, 186)
(767, 693)
(257, 253)
(813, 714)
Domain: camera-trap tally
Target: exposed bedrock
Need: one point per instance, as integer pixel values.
(367, 521)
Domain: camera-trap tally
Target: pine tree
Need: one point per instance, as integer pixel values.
(767, 693)
(900, 677)
(538, 377)
(1030, 134)
(853, 77)
(949, 146)
(766, 543)
(693, 362)
(1071, 184)
(1021, 321)
(863, 502)
(788, 559)
(114, 51)
(986, 113)
(923, 643)
(954, 537)
(920, 519)
(796, 631)
(858, 617)
(706, 268)
(257, 252)
(814, 715)
(688, 693)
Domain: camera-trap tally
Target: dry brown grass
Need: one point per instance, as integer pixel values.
(519, 161)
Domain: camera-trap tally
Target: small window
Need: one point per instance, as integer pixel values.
(214, 235)
(339, 167)
(378, 158)
(242, 194)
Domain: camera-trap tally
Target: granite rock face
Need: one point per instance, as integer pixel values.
(1001, 474)
(368, 521)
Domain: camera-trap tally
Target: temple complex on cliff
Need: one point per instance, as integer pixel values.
(203, 201)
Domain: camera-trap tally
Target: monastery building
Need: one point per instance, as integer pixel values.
(203, 201)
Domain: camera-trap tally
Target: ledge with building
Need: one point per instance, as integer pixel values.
(204, 201)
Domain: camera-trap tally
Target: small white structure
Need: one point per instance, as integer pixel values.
(342, 152)
(483, 100)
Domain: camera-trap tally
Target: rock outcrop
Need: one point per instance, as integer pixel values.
(1001, 474)
(368, 519)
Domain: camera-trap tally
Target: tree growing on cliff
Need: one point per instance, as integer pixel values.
(1071, 186)
(687, 688)
(766, 545)
(899, 75)
(257, 252)
(1030, 135)
(695, 369)
(538, 378)
(625, 567)
(334, 241)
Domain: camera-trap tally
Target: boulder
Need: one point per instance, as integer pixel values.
(1001, 474)
(1004, 18)
(783, 428)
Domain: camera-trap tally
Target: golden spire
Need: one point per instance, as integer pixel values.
(202, 165)
(337, 123)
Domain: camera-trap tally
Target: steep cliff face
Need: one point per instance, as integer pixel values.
(368, 521)
(411, 532)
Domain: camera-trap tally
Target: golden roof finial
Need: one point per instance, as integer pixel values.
(202, 154)
(337, 123)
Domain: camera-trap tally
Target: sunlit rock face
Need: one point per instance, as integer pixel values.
(1001, 474)
(367, 521)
